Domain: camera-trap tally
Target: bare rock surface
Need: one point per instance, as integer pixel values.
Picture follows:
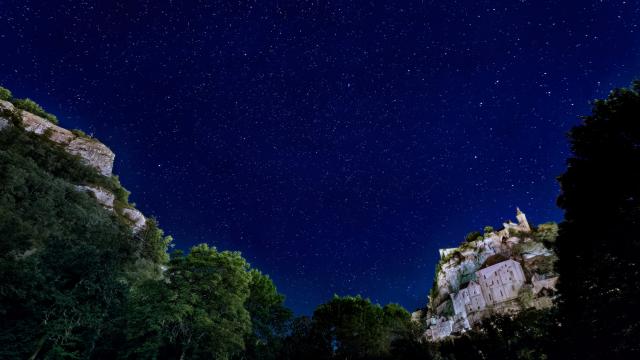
(103, 196)
(91, 151)
(94, 153)
(41, 126)
(136, 217)
(6, 105)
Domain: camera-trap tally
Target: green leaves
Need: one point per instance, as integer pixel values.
(63, 257)
(197, 310)
(5, 94)
(269, 318)
(354, 328)
(33, 107)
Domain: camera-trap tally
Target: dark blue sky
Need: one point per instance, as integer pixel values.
(338, 146)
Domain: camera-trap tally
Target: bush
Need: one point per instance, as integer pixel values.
(546, 233)
(33, 107)
(80, 133)
(472, 236)
(5, 94)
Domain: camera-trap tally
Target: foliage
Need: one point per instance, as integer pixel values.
(525, 296)
(473, 236)
(269, 318)
(5, 94)
(448, 309)
(196, 312)
(80, 133)
(488, 229)
(303, 342)
(349, 328)
(61, 256)
(520, 234)
(154, 243)
(75, 282)
(529, 335)
(546, 233)
(597, 245)
(33, 107)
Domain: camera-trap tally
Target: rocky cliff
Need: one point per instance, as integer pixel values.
(90, 151)
(492, 273)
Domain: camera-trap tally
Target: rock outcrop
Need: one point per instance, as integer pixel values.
(103, 197)
(500, 272)
(138, 221)
(91, 151)
(94, 153)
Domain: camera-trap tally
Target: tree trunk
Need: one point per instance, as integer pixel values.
(38, 347)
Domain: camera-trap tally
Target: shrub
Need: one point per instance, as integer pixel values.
(80, 133)
(5, 94)
(472, 236)
(546, 233)
(33, 107)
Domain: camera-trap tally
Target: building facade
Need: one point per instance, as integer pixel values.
(501, 282)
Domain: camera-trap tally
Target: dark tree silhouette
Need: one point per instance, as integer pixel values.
(599, 241)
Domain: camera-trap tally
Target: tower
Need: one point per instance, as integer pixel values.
(522, 220)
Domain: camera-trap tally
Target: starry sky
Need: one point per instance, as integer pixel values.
(337, 145)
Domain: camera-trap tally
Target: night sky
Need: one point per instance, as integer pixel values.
(337, 146)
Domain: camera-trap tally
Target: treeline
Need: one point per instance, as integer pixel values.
(75, 283)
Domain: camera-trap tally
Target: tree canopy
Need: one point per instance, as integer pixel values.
(598, 244)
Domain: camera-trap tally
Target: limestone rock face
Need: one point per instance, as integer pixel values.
(486, 276)
(94, 153)
(103, 196)
(91, 151)
(6, 105)
(40, 126)
(135, 216)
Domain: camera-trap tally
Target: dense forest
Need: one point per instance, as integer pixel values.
(77, 283)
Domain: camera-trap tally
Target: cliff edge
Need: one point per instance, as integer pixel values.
(91, 152)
